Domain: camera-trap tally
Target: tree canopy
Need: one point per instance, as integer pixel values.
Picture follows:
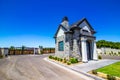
(108, 44)
(12, 48)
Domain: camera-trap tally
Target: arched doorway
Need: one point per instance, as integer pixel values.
(89, 49)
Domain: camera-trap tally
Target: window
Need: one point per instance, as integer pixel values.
(61, 46)
(85, 30)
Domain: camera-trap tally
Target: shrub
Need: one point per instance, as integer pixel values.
(104, 52)
(65, 60)
(99, 57)
(41, 52)
(1, 56)
(51, 57)
(73, 60)
(94, 72)
(61, 59)
(109, 77)
(55, 58)
(119, 53)
(110, 54)
(115, 54)
(68, 63)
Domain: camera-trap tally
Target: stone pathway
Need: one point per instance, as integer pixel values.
(85, 67)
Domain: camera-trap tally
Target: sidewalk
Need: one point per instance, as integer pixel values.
(91, 65)
(82, 69)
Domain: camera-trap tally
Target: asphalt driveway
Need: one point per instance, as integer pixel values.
(29, 67)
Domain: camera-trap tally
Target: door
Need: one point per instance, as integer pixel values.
(89, 48)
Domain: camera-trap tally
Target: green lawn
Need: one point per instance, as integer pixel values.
(113, 69)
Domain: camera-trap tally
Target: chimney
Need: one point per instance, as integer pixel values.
(65, 22)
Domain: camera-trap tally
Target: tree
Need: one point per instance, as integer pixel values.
(12, 48)
(108, 44)
(41, 47)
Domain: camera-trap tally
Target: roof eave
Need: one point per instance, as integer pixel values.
(58, 30)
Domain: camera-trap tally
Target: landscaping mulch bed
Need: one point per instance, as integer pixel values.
(65, 64)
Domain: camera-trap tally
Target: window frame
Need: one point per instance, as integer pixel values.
(61, 46)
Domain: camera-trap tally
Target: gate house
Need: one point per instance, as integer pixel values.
(76, 40)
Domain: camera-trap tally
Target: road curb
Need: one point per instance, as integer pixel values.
(83, 75)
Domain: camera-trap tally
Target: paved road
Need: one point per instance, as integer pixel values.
(27, 67)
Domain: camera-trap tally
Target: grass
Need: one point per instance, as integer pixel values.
(113, 69)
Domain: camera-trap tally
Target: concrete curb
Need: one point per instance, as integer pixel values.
(83, 75)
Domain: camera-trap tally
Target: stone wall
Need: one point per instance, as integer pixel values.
(76, 50)
(67, 50)
(76, 44)
(107, 50)
(57, 52)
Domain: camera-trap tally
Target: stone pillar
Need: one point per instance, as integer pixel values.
(95, 55)
(2, 51)
(84, 51)
(67, 50)
(76, 51)
(75, 47)
(34, 51)
(68, 37)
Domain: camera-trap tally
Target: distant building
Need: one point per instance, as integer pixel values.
(76, 40)
(4, 51)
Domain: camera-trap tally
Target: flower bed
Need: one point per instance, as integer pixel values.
(64, 60)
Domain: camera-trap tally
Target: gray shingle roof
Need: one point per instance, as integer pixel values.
(74, 25)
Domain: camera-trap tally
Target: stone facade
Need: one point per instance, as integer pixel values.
(78, 40)
(60, 53)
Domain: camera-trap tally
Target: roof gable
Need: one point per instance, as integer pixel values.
(86, 28)
(82, 23)
(60, 32)
(60, 27)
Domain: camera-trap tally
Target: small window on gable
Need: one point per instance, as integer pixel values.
(61, 46)
(84, 30)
